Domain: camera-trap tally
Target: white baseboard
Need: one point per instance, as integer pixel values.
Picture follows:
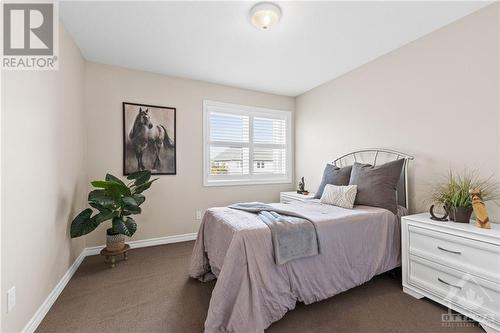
(42, 311)
(54, 294)
(90, 251)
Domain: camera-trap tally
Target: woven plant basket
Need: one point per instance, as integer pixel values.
(114, 242)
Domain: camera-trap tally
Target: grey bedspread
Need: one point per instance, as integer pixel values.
(252, 291)
(293, 235)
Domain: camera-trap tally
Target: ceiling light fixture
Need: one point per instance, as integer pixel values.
(265, 15)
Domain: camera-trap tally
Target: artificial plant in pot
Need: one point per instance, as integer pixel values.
(454, 194)
(117, 201)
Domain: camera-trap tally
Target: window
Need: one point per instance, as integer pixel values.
(246, 145)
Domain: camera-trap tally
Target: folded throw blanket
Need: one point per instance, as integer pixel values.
(294, 236)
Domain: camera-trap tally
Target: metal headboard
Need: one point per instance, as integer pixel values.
(374, 155)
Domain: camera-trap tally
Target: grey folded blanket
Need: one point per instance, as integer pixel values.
(294, 236)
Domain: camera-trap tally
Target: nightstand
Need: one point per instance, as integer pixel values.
(287, 197)
(455, 264)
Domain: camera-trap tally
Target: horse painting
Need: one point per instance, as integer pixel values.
(148, 139)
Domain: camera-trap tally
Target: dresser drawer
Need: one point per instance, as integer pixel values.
(469, 255)
(469, 292)
(286, 200)
(289, 197)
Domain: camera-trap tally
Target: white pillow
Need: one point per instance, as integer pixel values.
(341, 196)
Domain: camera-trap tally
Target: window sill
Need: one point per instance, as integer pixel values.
(215, 183)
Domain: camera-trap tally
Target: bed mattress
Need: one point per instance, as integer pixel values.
(252, 291)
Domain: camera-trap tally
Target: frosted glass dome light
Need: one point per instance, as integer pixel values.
(265, 15)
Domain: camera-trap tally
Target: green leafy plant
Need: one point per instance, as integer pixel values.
(116, 201)
(455, 191)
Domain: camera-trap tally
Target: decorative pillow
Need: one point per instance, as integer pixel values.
(335, 176)
(341, 196)
(377, 185)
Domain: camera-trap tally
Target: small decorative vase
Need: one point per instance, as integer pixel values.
(459, 214)
(114, 242)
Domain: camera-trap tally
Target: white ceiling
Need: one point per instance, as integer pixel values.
(214, 41)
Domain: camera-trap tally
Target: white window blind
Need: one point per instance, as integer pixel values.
(245, 145)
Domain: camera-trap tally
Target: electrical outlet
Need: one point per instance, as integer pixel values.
(11, 299)
(198, 215)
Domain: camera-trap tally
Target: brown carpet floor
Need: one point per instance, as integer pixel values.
(151, 292)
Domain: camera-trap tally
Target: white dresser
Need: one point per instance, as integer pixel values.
(455, 264)
(287, 197)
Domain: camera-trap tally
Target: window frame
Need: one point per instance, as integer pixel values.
(251, 178)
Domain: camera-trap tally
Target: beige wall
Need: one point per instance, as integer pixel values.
(435, 98)
(172, 201)
(43, 179)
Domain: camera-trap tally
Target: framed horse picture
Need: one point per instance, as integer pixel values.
(149, 139)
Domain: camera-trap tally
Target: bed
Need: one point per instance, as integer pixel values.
(252, 292)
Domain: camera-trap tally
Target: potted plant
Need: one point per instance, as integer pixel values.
(455, 197)
(116, 201)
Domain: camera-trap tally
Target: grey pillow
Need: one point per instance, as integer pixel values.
(335, 176)
(377, 185)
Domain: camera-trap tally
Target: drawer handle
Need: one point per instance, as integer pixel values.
(449, 284)
(450, 251)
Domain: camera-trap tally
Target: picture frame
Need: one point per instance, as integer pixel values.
(149, 138)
